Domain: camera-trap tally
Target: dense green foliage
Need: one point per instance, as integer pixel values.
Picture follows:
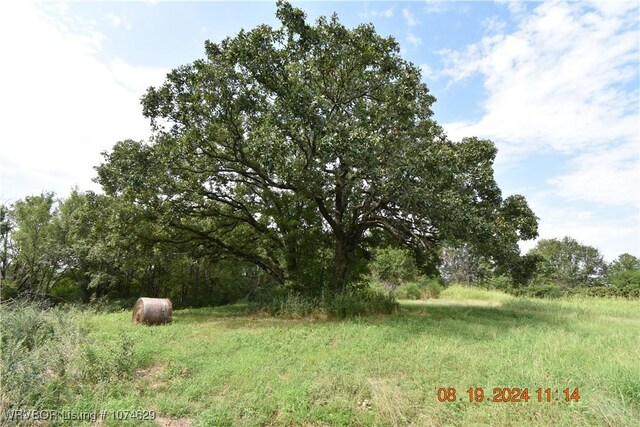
(568, 263)
(93, 247)
(288, 148)
(624, 273)
(391, 267)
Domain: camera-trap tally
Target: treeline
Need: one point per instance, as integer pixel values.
(91, 247)
(554, 268)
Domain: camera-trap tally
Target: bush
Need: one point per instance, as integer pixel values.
(291, 305)
(349, 303)
(430, 288)
(359, 302)
(392, 267)
(604, 292)
(37, 348)
(464, 292)
(500, 283)
(551, 290)
(425, 288)
(409, 290)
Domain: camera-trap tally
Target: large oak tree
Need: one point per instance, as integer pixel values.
(286, 147)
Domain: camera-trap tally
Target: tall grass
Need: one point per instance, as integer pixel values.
(461, 292)
(349, 303)
(48, 357)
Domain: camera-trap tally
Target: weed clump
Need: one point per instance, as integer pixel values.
(47, 358)
(426, 288)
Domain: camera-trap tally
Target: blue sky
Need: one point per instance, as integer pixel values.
(555, 85)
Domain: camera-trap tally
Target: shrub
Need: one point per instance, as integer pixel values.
(552, 290)
(463, 292)
(604, 292)
(353, 302)
(291, 305)
(500, 283)
(540, 290)
(393, 266)
(409, 290)
(37, 348)
(430, 288)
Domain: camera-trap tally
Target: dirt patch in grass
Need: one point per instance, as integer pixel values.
(174, 422)
(152, 378)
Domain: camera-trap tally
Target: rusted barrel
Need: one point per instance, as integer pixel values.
(152, 311)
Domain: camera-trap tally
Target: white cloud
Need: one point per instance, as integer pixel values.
(114, 19)
(413, 39)
(386, 13)
(427, 72)
(118, 21)
(558, 81)
(60, 104)
(612, 236)
(607, 176)
(565, 81)
(516, 7)
(444, 6)
(135, 78)
(408, 16)
(493, 24)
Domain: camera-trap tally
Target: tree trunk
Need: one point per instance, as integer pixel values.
(343, 256)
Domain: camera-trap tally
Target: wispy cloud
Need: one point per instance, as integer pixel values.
(385, 13)
(445, 6)
(427, 72)
(413, 39)
(558, 82)
(493, 24)
(607, 176)
(118, 21)
(611, 234)
(565, 81)
(408, 16)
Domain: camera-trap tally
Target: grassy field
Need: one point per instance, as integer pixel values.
(224, 366)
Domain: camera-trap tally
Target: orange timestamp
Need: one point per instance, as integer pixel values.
(509, 394)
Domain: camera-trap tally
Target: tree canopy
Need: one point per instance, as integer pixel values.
(287, 147)
(624, 272)
(569, 263)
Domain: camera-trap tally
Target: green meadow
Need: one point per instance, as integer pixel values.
(230, 366)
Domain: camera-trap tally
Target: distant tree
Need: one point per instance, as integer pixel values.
(393, 266)
(36, 258)
(462, 265)
(285, 145)
(569, 263)
(624, 272)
